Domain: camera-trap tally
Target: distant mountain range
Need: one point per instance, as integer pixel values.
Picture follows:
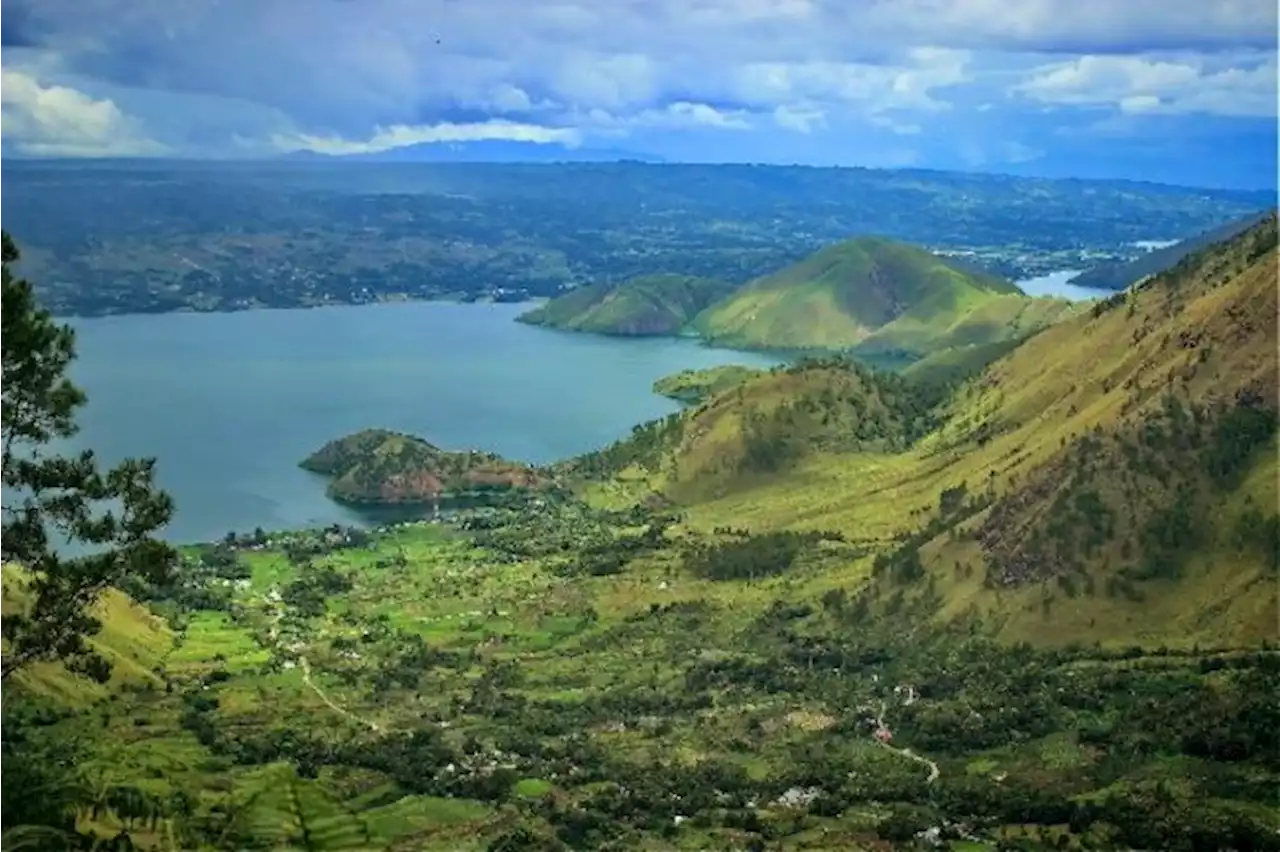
(486, 151)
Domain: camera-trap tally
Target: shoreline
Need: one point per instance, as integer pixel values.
(452, 299)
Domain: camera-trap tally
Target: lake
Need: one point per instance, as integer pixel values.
(1055, 284)
(230, 403)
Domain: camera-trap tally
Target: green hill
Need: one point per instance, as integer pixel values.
(650, 305)
(1120, 275)
(379, 467)
(764, 426)
(876, 296)
(693, 386)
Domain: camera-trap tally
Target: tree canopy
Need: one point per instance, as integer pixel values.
(111, 514)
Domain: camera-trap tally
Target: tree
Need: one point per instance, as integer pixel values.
(111, 515)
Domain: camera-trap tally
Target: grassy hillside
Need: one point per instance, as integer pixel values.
(133, 640)
(694, 386)
(1118, 276)
(763, 427)
(1008, 317)
(649, 305)
(876, 294)
(376, 467)
(1070, 463)
(950, 366)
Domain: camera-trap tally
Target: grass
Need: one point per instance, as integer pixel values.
(134, 640)
(875, 295)
(652, 304)
(1106, 369)
(694, 386)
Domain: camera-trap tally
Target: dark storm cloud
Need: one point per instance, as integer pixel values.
(17, 26)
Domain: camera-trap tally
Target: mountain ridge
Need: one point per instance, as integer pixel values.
(1120, 275)
(1043, 453)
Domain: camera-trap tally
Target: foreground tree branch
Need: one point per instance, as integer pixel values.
(112, 514)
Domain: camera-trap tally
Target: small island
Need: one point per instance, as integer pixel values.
(379, 467)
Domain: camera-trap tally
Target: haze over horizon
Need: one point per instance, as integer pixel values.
(1169, 91)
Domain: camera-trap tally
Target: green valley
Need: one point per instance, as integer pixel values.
(1020, 596)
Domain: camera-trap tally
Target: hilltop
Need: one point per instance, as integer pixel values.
(649, 305)
(1119, 275)
(380, 467)
(875, 296)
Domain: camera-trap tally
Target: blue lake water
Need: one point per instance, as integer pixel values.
(229, 403)
(1055, 284)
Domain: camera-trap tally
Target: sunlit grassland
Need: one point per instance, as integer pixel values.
(133, 639)
(1106, 371)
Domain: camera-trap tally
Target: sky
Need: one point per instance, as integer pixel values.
(1174, 91)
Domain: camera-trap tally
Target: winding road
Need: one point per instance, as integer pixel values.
(277, 614)
(333, 705)
(934, 772)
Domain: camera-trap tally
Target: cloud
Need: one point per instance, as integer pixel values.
(786, 80)
(58, 121)
(16, 28)
(1077, 26)
(1138, 85)
(679, 115)
(800, 118)
(401, 135)
(876, 88)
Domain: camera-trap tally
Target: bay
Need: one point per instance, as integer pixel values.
(230, 403)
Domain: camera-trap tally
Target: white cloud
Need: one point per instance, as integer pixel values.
(684, 113)
(59, 121)
(874, 88)
(800, 118)
(1139, 85)
(401, 135)
(680, 115)
(609, 82)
